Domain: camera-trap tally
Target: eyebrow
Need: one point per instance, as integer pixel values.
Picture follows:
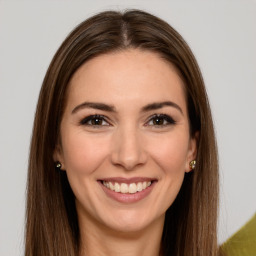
(111, 108)
(94, 105)
(157, 105)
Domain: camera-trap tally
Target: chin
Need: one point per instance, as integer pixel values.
(132, 221)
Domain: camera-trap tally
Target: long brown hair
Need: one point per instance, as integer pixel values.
(51, 221)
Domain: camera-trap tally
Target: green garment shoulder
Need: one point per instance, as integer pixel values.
(243, 242)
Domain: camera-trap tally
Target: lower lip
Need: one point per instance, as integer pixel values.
(128, 198)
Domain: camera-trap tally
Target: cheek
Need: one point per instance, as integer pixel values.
(83, 154)
(171, 153)
(171, 157)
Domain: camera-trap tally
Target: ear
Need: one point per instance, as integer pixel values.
(58, 156)
(192, 151)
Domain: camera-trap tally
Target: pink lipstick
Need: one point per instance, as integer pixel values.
(128, 190)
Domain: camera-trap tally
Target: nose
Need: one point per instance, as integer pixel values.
(128, 149)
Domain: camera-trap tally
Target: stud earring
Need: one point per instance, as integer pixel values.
(192, 164)
(58, 165)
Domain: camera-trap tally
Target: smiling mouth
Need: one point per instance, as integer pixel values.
(125, 188)
(128, 190)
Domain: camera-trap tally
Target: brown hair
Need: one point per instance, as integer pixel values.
(51, 224)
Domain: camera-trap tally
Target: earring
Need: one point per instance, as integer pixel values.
(192, 164)
(58, 165)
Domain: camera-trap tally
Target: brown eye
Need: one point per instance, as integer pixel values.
(160, 120)
(97, 121)
(94, 120)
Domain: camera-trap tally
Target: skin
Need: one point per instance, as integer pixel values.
(126, 143)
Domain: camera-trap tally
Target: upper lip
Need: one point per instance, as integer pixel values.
(127, 180)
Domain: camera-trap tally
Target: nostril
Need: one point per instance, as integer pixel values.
(128, 150)
(128, 161)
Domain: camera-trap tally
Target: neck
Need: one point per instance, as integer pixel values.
(99, 240)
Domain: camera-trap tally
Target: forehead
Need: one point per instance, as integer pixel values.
(126, 76)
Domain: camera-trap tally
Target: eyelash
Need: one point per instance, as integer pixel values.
(166, 119)
(90, 118)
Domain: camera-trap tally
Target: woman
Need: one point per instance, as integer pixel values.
(123, 156)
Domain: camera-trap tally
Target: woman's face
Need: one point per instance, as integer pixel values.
(125, 142)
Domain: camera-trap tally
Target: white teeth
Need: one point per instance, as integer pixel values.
(124, 188)
(127, 188)
(111, 186)
(117, 187)
(139, 186)
(132, 188)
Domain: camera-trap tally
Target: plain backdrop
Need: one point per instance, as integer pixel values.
(222, 35)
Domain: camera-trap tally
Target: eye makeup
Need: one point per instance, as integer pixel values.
(160, 120)
(95, 120)
(155, 120)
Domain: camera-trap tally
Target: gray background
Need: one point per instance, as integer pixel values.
(222, 35)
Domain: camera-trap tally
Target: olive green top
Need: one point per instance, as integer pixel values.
(243, 242)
